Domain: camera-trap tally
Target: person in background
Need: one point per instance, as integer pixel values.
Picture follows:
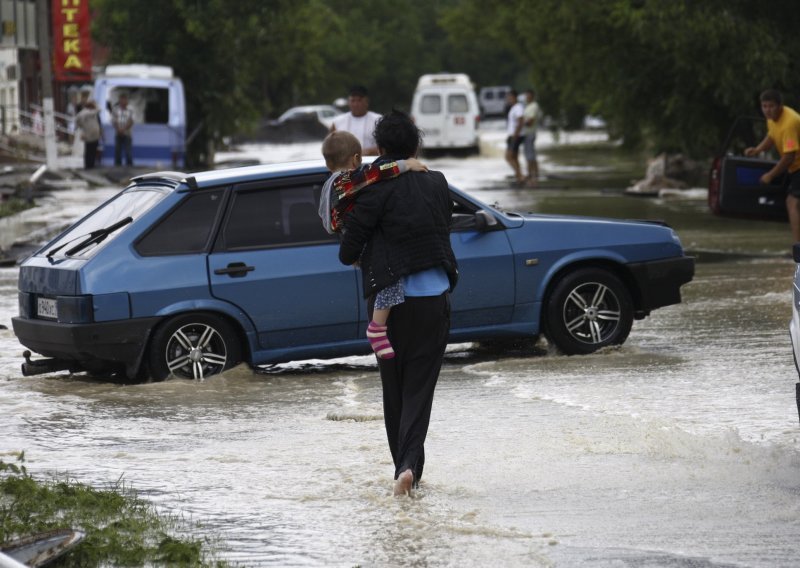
(360, 121)
(514, 137)
(88, 122)
(399, 230)
(530, 118)
(783, 134)
(122, 121)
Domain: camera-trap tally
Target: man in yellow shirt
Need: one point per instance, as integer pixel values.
(783, 134)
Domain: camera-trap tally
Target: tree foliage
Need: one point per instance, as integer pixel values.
(672, 74)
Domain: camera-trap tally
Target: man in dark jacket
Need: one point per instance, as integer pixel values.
(399, 230)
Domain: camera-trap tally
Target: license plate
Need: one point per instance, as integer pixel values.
(46, 308)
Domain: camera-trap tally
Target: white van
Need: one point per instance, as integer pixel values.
(493, 100)
(159, 113)
(446, 109)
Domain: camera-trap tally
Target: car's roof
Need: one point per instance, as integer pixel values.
(311, 108)
(212, 178)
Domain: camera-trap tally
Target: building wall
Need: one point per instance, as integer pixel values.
(19, 61)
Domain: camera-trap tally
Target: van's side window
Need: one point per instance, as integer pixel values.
(430, 104)
(186, 229)
(274, 217)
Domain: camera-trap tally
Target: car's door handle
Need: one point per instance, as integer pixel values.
(235, 269)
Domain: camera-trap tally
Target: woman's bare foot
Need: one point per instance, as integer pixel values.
(403, 484)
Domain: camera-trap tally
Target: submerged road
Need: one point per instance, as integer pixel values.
(680, 448)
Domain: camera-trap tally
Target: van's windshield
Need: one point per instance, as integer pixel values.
(107, 221)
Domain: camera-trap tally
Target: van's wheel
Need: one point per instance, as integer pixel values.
(193, 346)
(588, 309)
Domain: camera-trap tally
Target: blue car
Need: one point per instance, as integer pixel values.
(188, 275)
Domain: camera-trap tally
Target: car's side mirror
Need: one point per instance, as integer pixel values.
(484, 220)
(796, 252)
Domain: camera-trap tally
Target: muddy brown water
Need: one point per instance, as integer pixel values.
(679, 448)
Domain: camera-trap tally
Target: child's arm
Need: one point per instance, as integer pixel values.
(349, 183)
(325, 205)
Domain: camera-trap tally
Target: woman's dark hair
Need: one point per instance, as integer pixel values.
(397, 135)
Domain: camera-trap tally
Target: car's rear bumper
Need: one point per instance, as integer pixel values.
(659, 281)
(120, 342)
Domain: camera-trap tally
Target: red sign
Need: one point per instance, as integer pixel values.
(72, 44)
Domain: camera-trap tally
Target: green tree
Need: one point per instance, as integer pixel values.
(236, 59)
(673, 74)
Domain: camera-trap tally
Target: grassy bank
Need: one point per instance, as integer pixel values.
(121, 528)
(14, 205)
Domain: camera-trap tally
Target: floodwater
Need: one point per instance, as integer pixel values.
(678, 449)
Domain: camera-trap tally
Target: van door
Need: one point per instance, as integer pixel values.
(459, 122)
(429, 117)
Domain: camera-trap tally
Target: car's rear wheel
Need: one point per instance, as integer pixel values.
(588, 309)
(193, 346)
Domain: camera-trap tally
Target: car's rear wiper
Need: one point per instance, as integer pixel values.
(92, 238)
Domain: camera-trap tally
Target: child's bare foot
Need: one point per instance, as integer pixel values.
(379, 341)
(403, 484)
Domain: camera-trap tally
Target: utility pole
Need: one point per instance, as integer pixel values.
(45, 57)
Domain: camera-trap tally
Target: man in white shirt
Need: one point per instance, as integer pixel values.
(530, 120)
(122, 120)
(360, 121)
(514, 134)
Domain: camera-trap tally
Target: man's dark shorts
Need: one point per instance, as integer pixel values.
(792, 184)
(513, 143)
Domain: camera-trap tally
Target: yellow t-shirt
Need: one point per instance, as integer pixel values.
(785, 134)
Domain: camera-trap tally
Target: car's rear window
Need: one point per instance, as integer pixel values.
(186, 229)
(127, 204)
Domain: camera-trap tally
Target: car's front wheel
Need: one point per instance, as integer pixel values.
(588, 309)
(193, 346)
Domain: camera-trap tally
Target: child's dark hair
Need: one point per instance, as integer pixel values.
(338, 147)
(397, 135)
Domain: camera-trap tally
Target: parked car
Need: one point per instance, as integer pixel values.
(492, 100)
(794, 324)
(323, 113)
(190, 274)
(733, 183)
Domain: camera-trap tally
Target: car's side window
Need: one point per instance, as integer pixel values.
(186, 229)
(463, 217)
(274, 216)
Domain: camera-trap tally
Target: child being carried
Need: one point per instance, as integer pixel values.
(342, 153)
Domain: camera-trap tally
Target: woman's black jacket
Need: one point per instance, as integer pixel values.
(398, 227)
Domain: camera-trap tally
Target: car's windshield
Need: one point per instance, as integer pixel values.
(112, 215)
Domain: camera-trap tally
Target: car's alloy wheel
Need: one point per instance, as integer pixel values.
(193, 347)
(588, 309)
